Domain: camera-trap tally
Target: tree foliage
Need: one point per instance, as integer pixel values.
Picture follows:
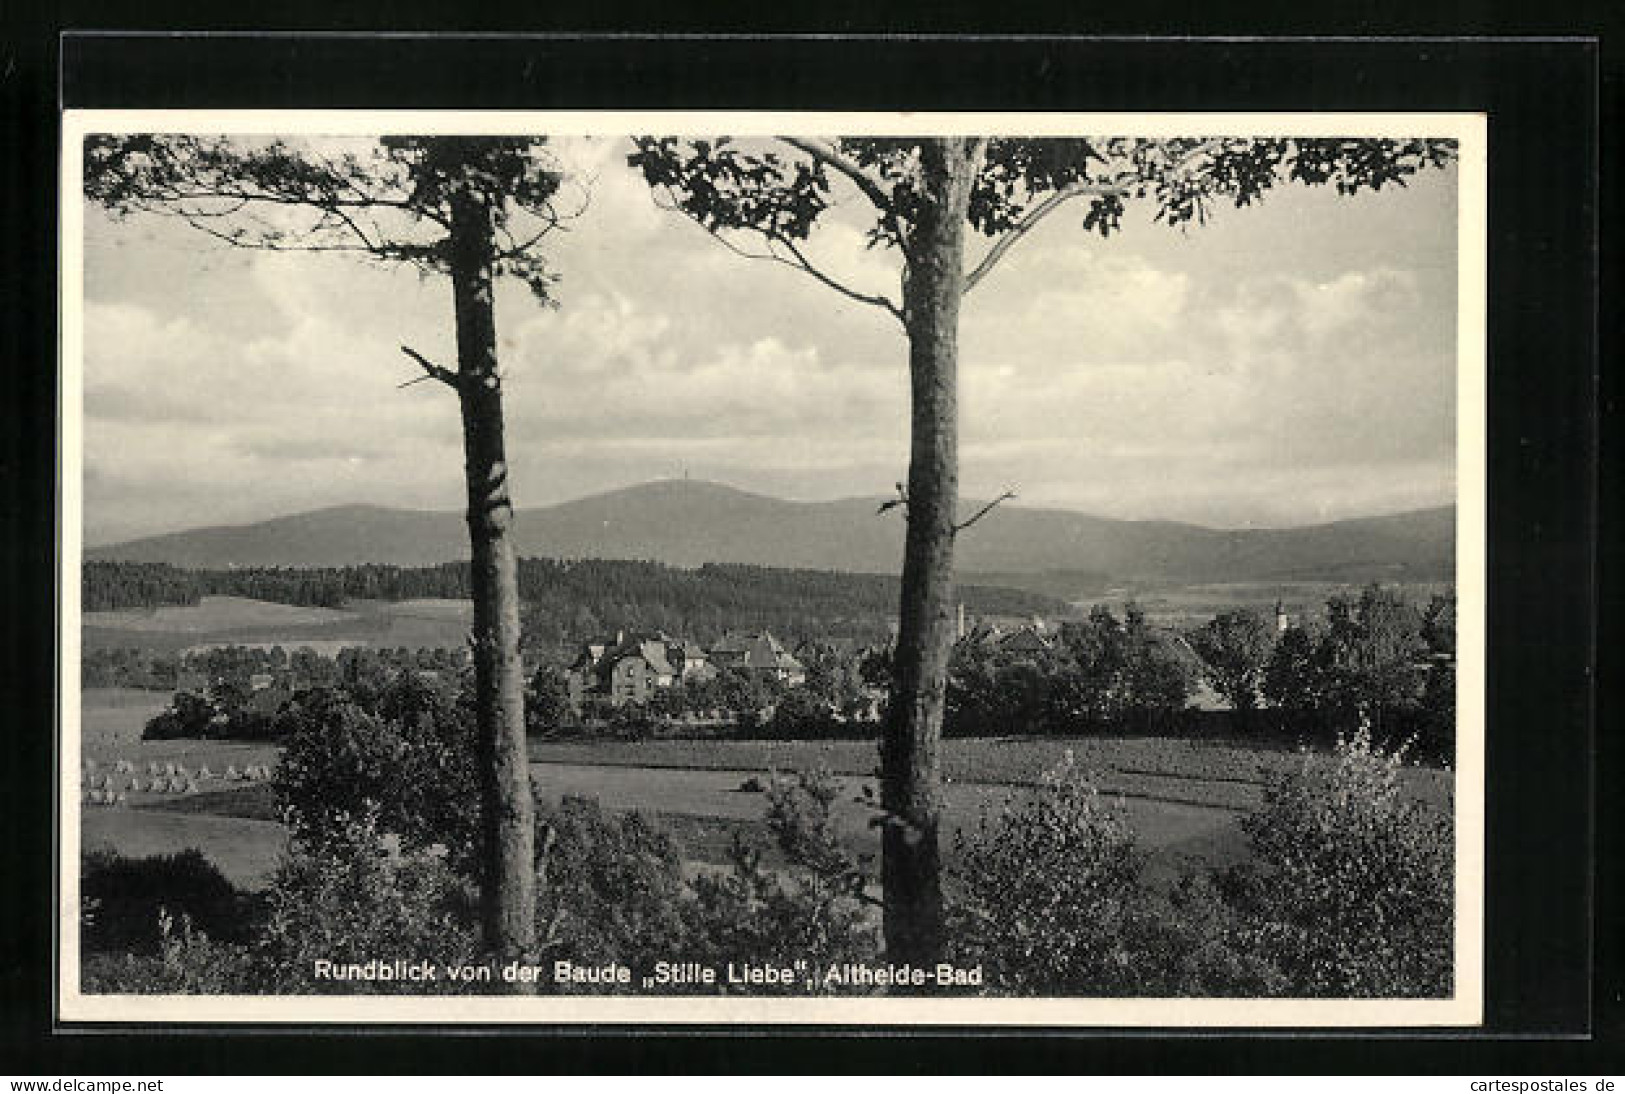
(1373, 646)
(404, 758)
(814, 908)
(1235, 646)
(1101, 673)
(1353, 892)
(780, 190)
(386, 200)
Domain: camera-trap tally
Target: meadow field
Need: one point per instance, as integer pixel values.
(1183, 797)
(414, 624)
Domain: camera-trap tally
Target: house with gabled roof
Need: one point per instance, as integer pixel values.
(1028, 641)
(758, 653)
(629, 668)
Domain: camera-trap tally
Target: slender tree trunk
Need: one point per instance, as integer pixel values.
(508, 868)
(911, 776)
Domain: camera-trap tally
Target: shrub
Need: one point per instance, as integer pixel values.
(547, 701)
(189, 714)
(408, 761)
(124, 900)
(1048, 892)
(1051, 897)
(1190, 942)
(815, 910)
(610, 886)
(188, 962)
(351, 899)
(630, 722)
(1352, 890)
(800, 715)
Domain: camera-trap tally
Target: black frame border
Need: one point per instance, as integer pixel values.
(1547, 397)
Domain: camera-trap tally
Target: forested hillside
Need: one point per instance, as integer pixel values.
(572, 599)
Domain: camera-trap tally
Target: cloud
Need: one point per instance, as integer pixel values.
(1298, 365)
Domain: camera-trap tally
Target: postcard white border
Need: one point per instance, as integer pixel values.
(1463, 1009)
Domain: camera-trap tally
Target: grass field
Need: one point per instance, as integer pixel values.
(1183, 797)
(1206, 772)
(247, 851)
(704, 810)
(220, 619)
(216, 613)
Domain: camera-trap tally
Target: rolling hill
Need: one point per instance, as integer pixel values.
(685, 523)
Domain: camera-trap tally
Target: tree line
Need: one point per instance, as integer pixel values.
(572, 600)
(1375, 657)
(1098, 673)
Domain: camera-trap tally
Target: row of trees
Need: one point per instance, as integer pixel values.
(128, 667)
(1376, 656)
(116, 586)
(296, 666)
(226, 706)
(565, 601)
(1103, 672)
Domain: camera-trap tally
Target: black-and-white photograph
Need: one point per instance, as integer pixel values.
(776, 568)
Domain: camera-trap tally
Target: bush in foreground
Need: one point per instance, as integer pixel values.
(610, 885)
(354, 898)
(187, 962)
(351, 899)
(122, 900)
(814, 909)
(1047, 892)
(1350, 895)
(407, 756)
(1352, 892)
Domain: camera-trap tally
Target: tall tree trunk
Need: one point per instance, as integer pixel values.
(911, 776)
(507, 858)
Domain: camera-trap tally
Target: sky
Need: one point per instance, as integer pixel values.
(1287, 363)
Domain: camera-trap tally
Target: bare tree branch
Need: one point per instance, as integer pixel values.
(796, 260)
(1027, 223)
(984, 511)
(802, 262)
(827, 154)
(430, 369)
(900, 500)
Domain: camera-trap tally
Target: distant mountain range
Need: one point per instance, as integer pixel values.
(685, 523)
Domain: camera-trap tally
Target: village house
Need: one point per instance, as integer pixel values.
(630, 668)
(1028, 640)
(759, 654)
